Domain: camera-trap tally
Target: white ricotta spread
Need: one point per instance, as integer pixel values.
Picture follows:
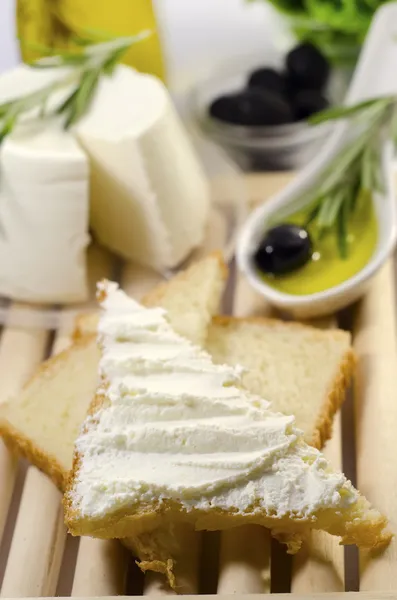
(176, 426)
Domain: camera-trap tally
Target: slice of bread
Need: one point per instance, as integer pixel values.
(43, 422)
(299, 369)
(191, 298)
(48, 443)
(171, 437)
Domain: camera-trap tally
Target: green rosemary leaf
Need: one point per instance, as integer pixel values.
(90, 36)
(82, 97)
(82, 41)
(340, 165)
(4, 108)
(43, 108)
(356, 192)
(110, 64)
(8, 125)
(313, 213)
(393, 128)
(342, 229)
(65, 105)
(377, 176)
(57, 58)
(38, 66)
(84, 68)
(355, 172)
(343, 112)
(366, 169)
(330, 208)
(40, 48)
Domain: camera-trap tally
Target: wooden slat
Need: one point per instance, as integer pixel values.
(8, 471)
(186, 568)
(39, 535)
(101, 568)
(155, 585)
(376, 417)
(37, 542)
(391, 595)
(245, 561)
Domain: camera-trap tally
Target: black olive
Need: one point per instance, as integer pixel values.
(283, 249)
(252, 107)
(308, 102)
(307, 68)
(267, 79)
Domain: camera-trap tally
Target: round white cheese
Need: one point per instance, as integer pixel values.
(44, 205)
(150, 198)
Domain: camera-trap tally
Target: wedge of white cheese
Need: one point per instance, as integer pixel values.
(129, 163)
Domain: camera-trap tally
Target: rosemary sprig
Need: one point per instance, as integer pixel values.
(83, 70)
(355, 172)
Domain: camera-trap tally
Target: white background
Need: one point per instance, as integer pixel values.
(8, 50)
(196, 34)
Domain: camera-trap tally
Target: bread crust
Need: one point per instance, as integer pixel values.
(353, 529)
(80, 324)
(337, 390)
(21, 445)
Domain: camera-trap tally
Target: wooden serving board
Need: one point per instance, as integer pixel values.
(38, 559)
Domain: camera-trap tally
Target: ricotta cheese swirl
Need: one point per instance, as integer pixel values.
(174, 425)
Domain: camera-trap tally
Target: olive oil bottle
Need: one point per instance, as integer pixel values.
(56, 24)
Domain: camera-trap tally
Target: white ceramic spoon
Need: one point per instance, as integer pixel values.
(375, 75)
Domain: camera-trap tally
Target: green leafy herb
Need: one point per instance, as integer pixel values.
(83, 70)
(355, 172)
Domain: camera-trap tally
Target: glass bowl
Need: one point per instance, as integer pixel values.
(280, 147)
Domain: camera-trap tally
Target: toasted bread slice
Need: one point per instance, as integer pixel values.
(299, 369)
(43, 422)
(171, 437)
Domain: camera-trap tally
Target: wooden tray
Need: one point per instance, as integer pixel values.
(37, 558)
